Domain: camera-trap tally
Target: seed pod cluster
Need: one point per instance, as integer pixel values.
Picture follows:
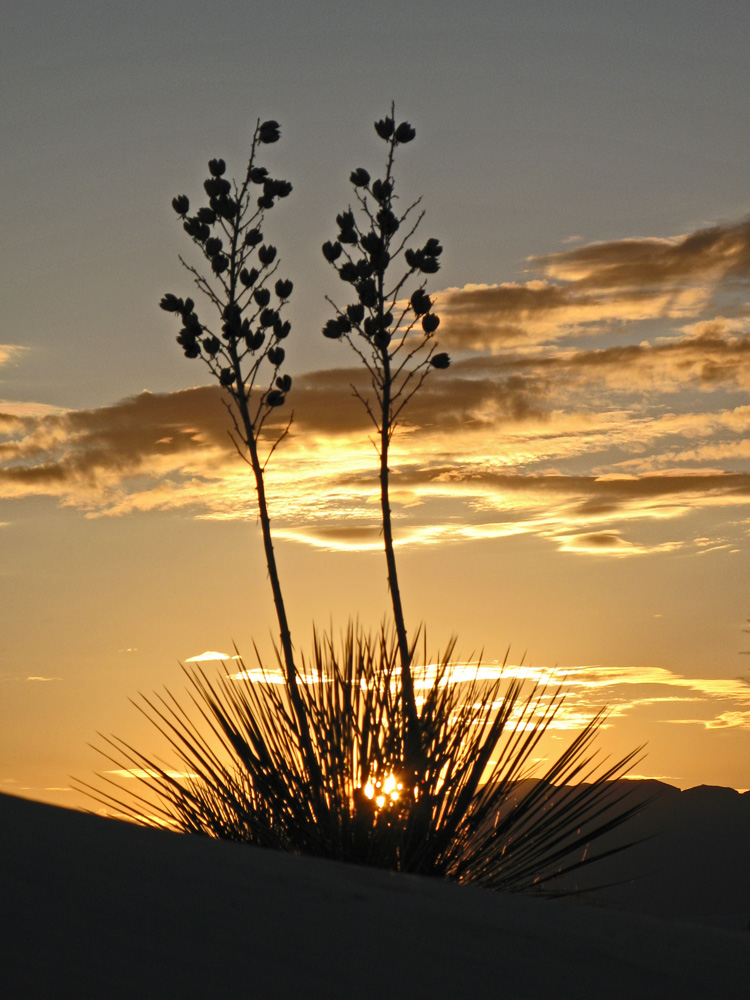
(238, 278)
(365, 248)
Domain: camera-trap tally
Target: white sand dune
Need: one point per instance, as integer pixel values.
(96, 908)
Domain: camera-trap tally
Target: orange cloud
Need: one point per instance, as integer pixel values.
(582, 445)
(210, 656)
(714, 253)
(165, 452)
(713, 355)
(609, 543)
(713, 703)
(85, 457)
(600, 286)
(496, 317)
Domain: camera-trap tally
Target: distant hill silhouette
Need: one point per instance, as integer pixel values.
(693, 863)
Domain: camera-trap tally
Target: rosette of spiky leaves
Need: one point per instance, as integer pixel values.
(480, 815)
(242, 342)
(391, 326)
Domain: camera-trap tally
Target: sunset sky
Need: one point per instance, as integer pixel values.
(575, 487)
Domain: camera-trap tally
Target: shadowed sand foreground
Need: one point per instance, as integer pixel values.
(96, 908)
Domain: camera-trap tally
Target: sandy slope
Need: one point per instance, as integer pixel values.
(98, 908)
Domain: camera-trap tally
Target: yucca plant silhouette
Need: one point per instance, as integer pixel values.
(366, 750)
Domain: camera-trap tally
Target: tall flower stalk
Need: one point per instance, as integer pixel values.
(242, 343)
(391, 327)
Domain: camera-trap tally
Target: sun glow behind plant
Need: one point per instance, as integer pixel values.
(383, 790)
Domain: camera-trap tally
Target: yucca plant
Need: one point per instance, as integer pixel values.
(363, 751)
(480, 814)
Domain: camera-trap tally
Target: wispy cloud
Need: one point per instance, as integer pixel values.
(9, 352)
(324, 491)
(609, 543)
(210, 656)
(711, 703)
(137, 772)
(584, 290)
(705, 257)
(673, 699)
(604, 447)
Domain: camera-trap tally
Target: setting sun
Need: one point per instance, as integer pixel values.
(383, 791)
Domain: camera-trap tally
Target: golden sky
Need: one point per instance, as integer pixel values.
(575, 487)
